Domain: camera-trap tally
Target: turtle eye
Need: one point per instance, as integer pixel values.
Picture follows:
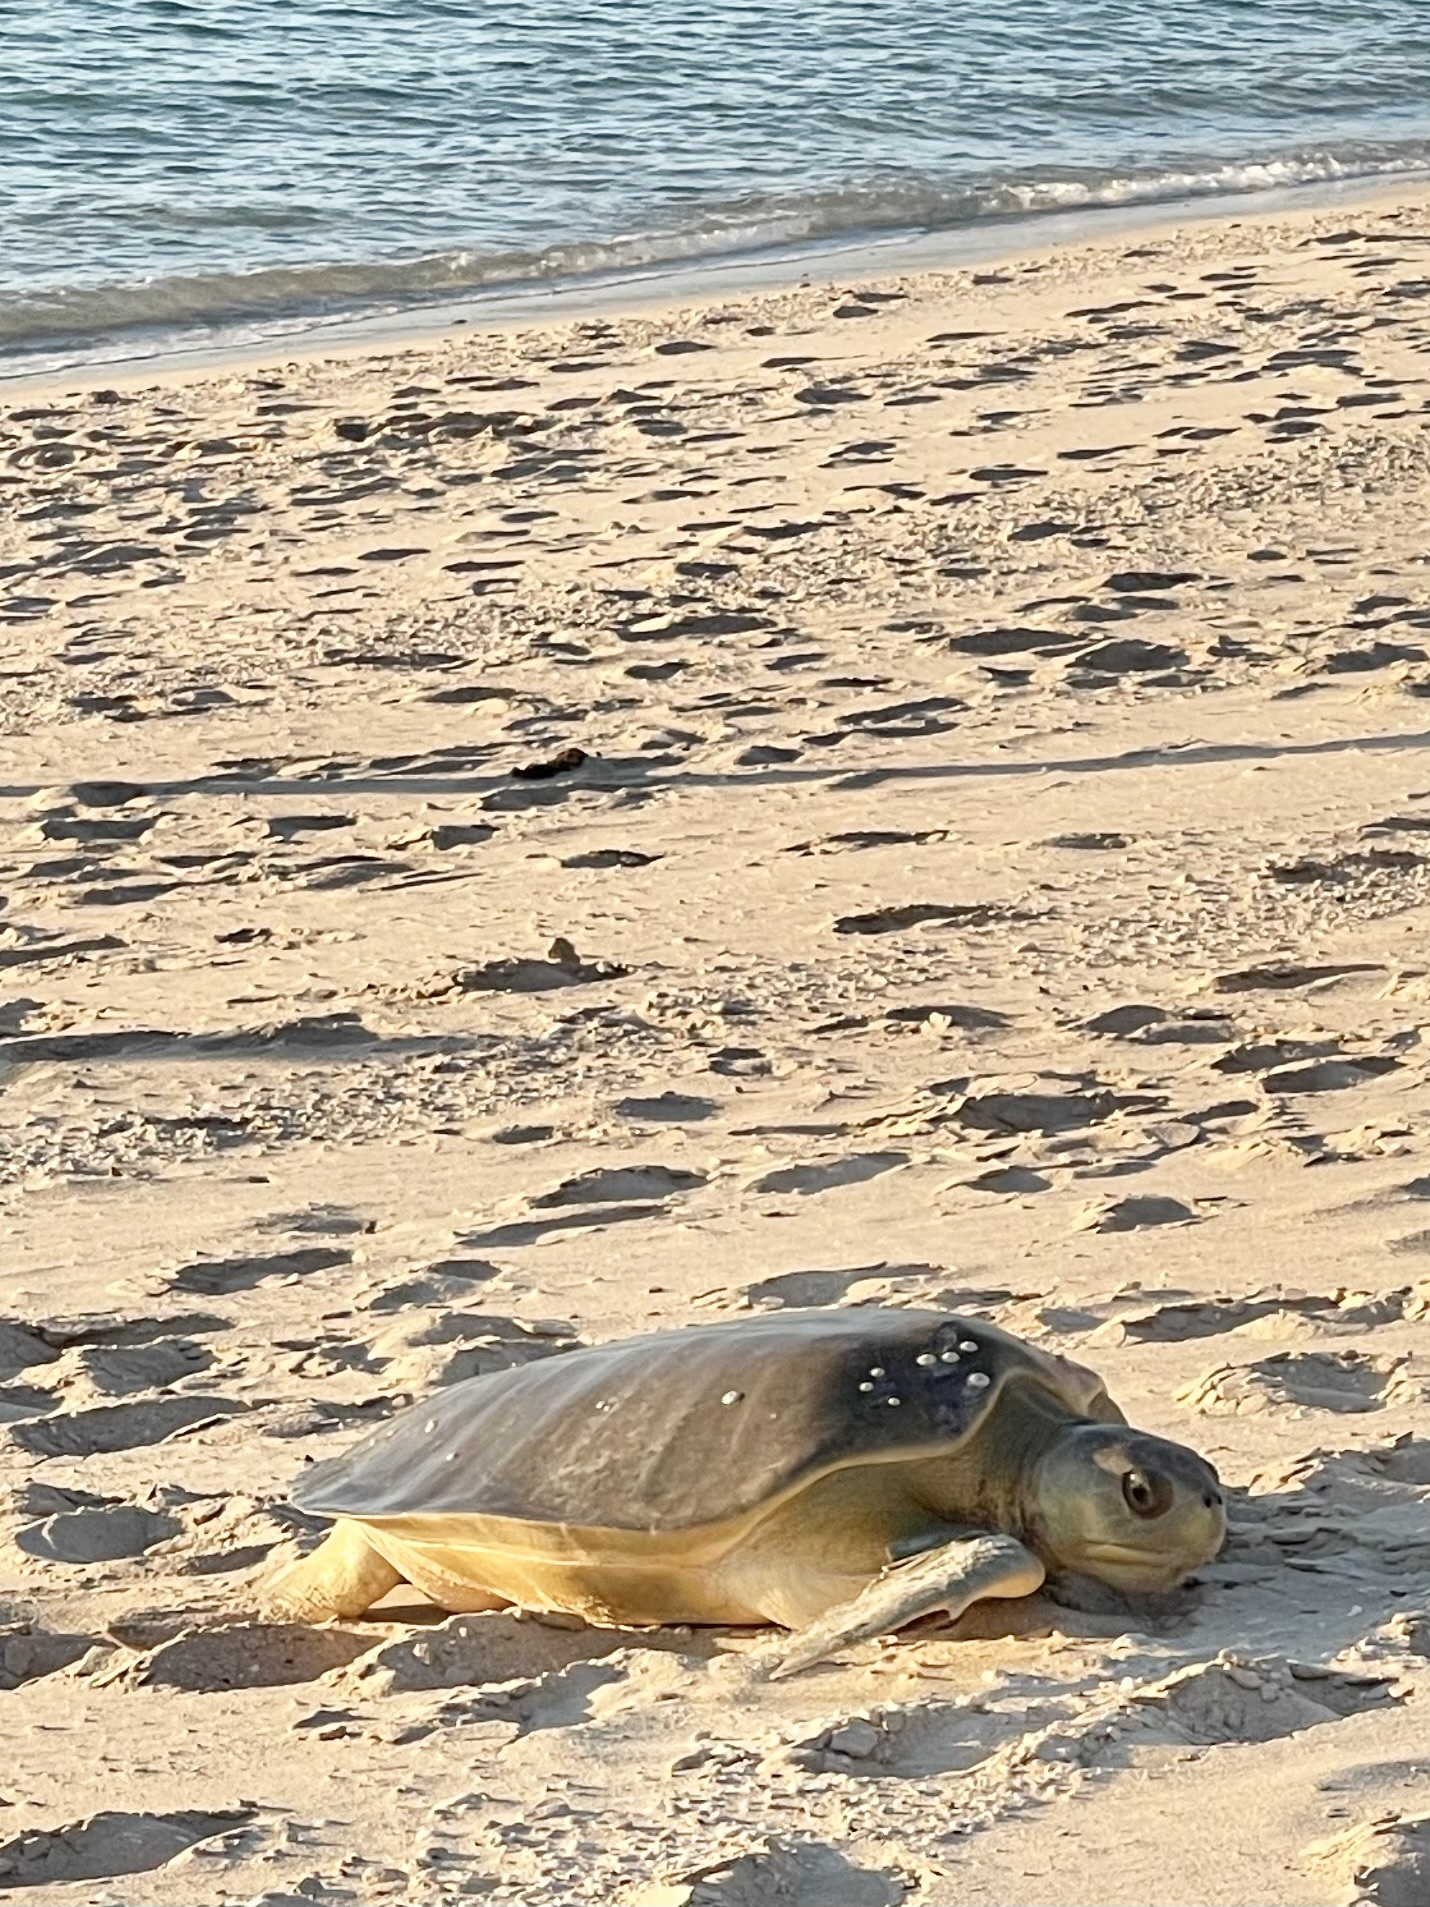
(1144, 1495)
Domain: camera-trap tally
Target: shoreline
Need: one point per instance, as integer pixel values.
(662, 288)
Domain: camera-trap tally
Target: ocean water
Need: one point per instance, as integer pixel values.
(173, 167)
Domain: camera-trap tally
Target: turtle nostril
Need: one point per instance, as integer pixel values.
(1211, 1501)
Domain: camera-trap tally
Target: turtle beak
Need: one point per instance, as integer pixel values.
(1136, 1570)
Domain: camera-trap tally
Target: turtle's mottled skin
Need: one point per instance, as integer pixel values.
(837, 1471)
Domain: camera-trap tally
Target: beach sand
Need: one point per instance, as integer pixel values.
(911, 792)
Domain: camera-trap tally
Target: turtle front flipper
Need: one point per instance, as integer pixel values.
(344, 1576)
(950, 1577)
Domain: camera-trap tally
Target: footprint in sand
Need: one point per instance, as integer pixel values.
(1048, 1112)
(476, 1651)
(319, 1220)
(765, 755)
(898, 920)
(915, 1740)
(1009, 1181)
(1329, 1075)
(533, 1231)
(740, 1062)
(1148, 582)
(827, 396)
(1362, 660)
(1381, 1862)
(424, 1351)
(1015, 640)
(621, 1183)
(1090, 843)
(216, 1277)
(103, 1535)
(1135, 1214)
(1287, 976)
(1346, 870)
(447, 1281)
(96, 1372)
(1272, 1055)
(110, 1844)
(905, 720)
(1340, 1381)
(289, 827)
(1398, 1471)
(611, 857)
(1130, 656)
(859, 838)
(815, 1288)
(237, 1656)
(1279, 1314)
(672, 1108)
(1232, 1698)
(22, 1346)
(64, 824)
(563, 967)
(806, 1874)
(565, 763)
(1155, 1026)
(1240, 1699)
(585, 1693)
(827, 1175)
(19, 1401)
(943, 1016)
(27, 1653)
(106, 1356)
(114, 1427)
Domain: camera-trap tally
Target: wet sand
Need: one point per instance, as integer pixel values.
(906, 792)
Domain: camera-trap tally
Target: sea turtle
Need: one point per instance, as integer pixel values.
(838, 1472)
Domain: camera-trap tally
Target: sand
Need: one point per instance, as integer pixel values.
(906, 793)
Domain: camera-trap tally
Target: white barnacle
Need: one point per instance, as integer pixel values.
(430, 1425)
(949, 1357)
(893, 1400)
(876, 1370)
(926, 1357)
(866, 1385)
(732, 1397)
(967, 1346)
(979, 1380)
(450, 1457)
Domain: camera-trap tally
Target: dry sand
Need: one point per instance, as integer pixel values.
(978, 858)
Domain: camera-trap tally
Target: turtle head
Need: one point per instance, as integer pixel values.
(1128, 1509)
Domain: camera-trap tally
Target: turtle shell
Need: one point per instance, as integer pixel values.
(690, 1428)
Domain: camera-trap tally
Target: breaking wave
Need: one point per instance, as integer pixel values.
(103, 321)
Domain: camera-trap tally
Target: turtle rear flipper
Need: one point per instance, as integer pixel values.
(950, 1577)
(344, 1576)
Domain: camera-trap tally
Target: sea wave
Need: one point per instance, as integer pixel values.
(112, 320)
